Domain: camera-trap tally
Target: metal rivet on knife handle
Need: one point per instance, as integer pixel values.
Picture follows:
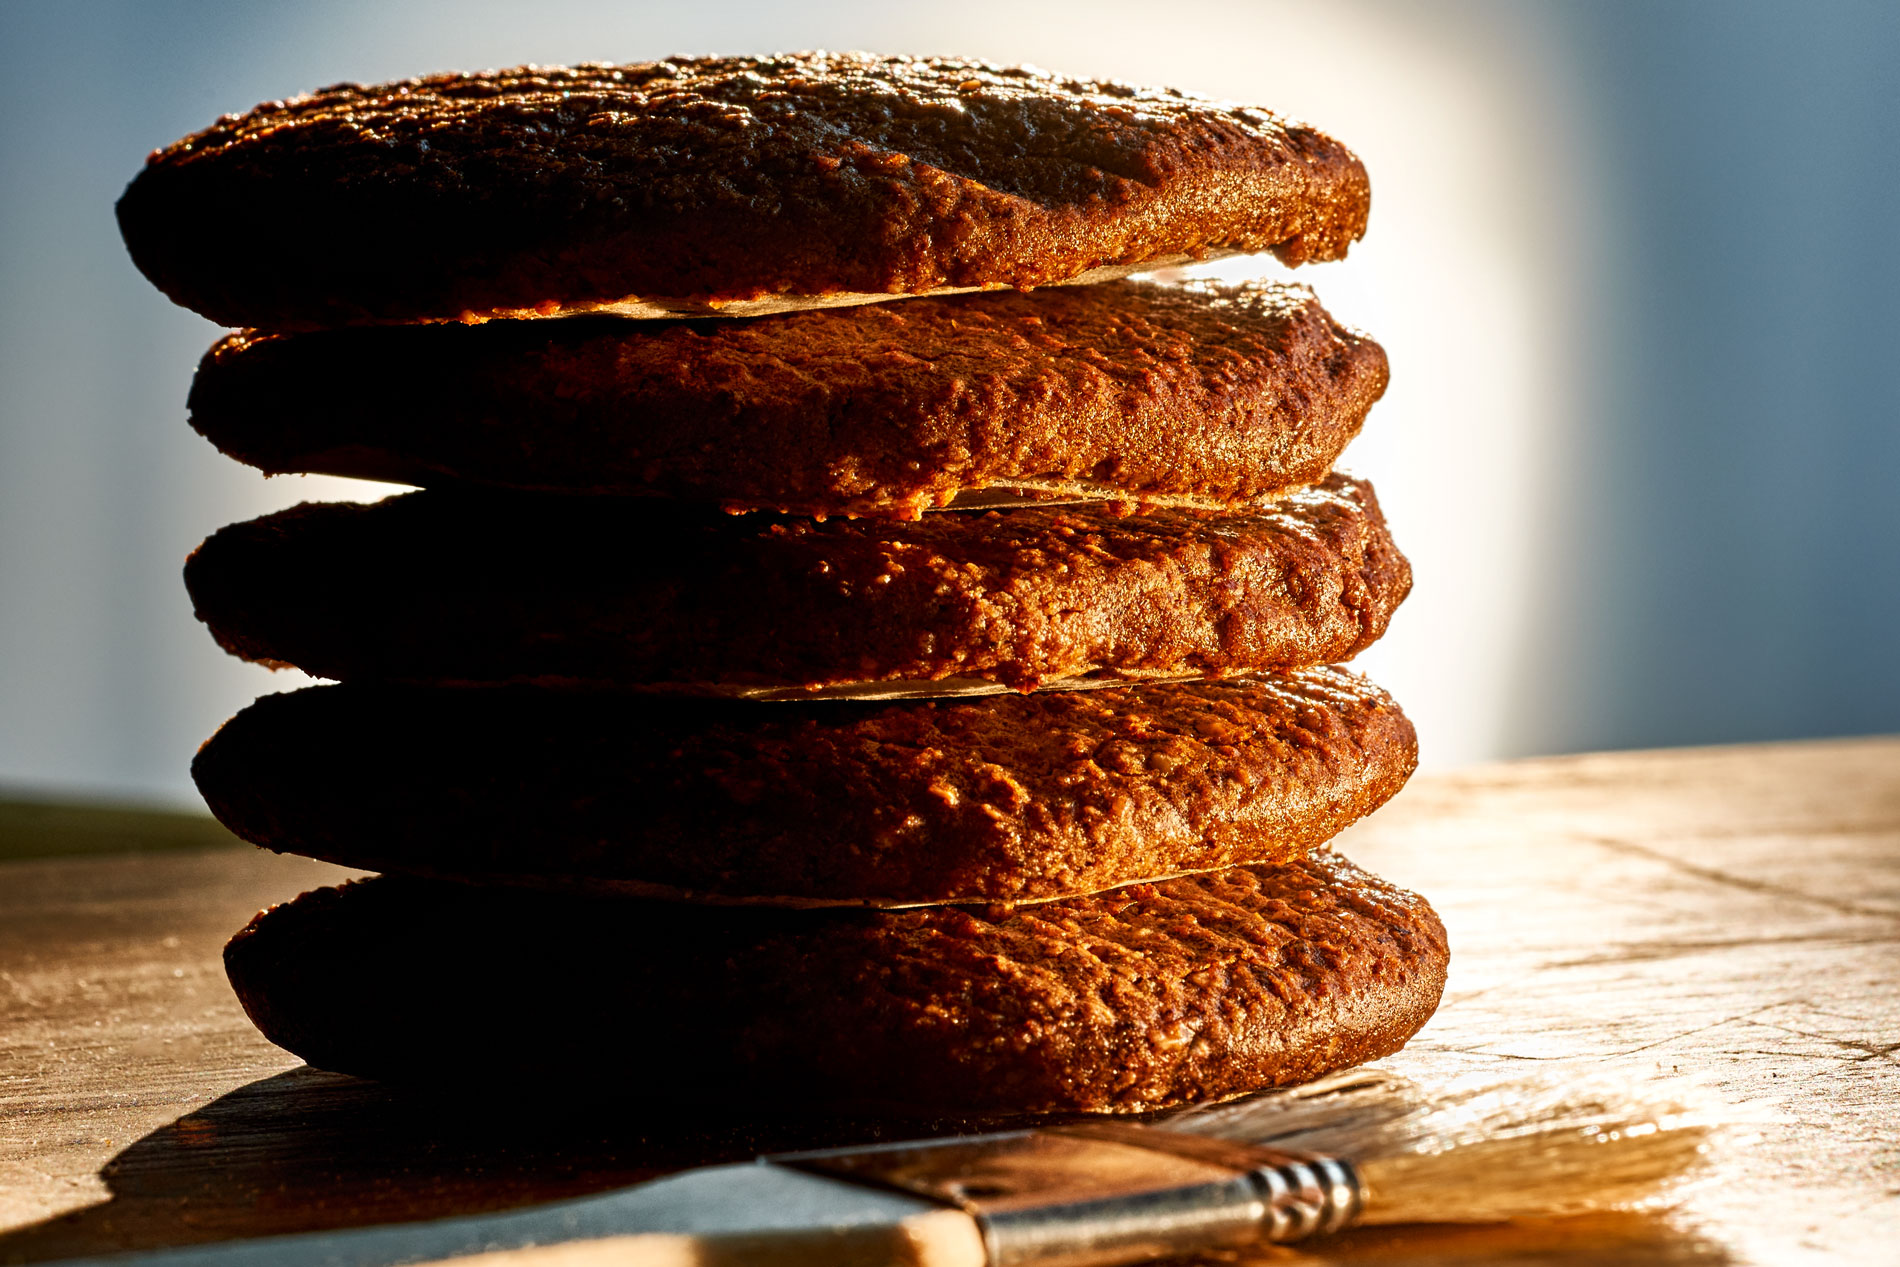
(1109, 1193)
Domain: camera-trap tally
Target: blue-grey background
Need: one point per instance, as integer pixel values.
(1635, 264)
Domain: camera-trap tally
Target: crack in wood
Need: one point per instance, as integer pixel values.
(1745, 1018)
(1714, 875)
(1646, 952)
(1867, 1051)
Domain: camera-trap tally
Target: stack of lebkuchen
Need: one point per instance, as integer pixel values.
(856, 644)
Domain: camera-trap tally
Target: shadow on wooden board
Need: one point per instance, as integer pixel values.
(308, 1151)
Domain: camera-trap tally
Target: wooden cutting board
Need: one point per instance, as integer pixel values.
(1729, 913)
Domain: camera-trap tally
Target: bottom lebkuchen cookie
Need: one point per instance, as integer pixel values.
(999, 798)
(1184, 990)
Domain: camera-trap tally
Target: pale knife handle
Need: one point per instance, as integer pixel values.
(721, 1216)
(937, 1238)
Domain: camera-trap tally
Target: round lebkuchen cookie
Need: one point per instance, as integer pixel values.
(689, 184)
(1192, 989)
(999, 798)
(433, 587)
(1212, 393)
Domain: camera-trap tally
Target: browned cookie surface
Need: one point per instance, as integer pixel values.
(433, 587)
(1197, 988)
(999, 798)
(1207, 391)
(714, 179)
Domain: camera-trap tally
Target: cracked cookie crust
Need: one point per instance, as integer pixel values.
(999, 798)
(1217, 394)
(437, 588)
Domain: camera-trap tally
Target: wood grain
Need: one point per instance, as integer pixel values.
(1728, 913)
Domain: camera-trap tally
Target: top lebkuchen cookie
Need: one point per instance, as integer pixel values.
(731, 184)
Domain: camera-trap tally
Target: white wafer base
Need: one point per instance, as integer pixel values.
(1022, 491)
(659, 308)
(893, 689)
(931, 688)
(597, 886)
